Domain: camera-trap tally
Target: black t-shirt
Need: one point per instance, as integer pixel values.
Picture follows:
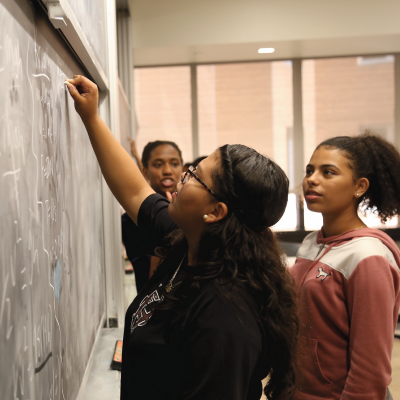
(136, 251)
(206, 349)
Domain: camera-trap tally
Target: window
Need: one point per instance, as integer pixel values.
(312, 220)
(252, 104)
(346, 96)
(372, 221)
(246, 103)
(288, 222)
(163, 107)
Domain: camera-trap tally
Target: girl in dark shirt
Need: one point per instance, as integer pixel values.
(161, 165)
(219, 314)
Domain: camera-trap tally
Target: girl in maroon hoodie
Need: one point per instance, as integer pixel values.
(347, 275)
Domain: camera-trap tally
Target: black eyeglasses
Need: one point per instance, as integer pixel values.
(190, 173)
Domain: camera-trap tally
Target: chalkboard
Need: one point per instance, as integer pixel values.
(51, 225)
(91, 17)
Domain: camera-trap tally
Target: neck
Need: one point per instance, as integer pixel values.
(192, 252)
(338, 224)
(193, 245)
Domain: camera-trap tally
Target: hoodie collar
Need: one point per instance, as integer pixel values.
(344, 237)
(362, 232)
(347, 236)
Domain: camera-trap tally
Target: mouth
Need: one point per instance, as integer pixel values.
(167, 183)
(312, 195)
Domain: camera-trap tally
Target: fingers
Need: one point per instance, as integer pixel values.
(85, 95)
(83, 84)
(80, 80)
(73, 91)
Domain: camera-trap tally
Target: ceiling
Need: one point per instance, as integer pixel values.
(170, 32)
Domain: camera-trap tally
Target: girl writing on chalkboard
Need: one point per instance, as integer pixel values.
(219, 314)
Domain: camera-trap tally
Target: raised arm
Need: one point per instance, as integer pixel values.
(135, 153)
(119, 170)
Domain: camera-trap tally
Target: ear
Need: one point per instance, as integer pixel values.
(144, 172)
(362, 186)
(220, 212)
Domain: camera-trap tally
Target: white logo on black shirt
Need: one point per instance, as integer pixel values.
(322, 273)
(142, 315)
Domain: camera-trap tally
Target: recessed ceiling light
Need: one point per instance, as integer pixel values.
(265, 50)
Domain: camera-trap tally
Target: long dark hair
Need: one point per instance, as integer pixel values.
(376, 159)
(242, 251)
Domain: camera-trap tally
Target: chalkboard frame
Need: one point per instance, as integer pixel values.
(63, 19)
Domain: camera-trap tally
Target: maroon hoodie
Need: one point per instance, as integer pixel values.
(348, 291)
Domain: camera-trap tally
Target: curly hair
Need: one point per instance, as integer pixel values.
(242, 251)
(376, 159)
(153, 145)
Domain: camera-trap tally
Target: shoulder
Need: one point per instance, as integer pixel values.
(346, 257)
(154, 221)
(309, 248)
(151, 206)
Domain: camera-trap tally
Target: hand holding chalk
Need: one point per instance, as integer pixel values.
(85, 95)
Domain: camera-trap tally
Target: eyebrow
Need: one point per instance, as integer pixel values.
(168, 159)
(325, 166)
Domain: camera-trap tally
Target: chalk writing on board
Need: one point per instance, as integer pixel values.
(51, 264)
(39, 75)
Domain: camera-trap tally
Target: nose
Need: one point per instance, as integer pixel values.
(312, 180)
(167, 170)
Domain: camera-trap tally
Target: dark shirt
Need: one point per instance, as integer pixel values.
(136, 251)
(203, 349)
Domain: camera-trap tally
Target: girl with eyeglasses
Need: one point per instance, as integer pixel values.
(347, 275)
(219, 314)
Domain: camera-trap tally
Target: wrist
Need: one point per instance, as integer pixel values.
(91, 119)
